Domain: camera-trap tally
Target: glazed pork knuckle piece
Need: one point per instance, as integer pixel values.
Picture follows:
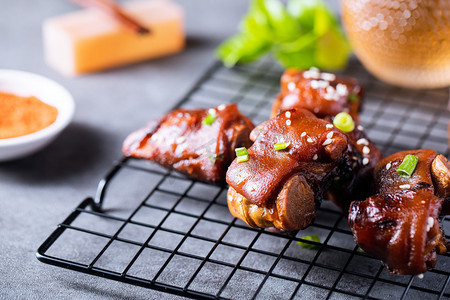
(355, 180)
(197, 142)
(290, 165)
(400, 224)
(324, 94)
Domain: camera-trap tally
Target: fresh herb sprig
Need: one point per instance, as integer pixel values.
(300, 34)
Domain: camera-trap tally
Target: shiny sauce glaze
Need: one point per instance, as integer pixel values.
(182, 141)
(322, 93)
(400, 224)
(315, 150)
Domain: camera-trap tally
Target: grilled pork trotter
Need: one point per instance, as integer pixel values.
(324, 94)
(286, 171)
(400, 224)
(197, 142)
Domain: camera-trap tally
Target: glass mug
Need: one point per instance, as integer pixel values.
(402, 42)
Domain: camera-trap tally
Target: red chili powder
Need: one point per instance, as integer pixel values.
(23, 115)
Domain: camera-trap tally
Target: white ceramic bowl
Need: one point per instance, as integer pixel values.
(27, 84)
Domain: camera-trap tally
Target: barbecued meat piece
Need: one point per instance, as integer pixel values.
(401, 229)
(284, 188)
(198, 142)
(400, 224)
(324, 94)
(295, 206)
(355, 180)
(440, 172)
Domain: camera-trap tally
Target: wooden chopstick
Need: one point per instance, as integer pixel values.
(113, 9)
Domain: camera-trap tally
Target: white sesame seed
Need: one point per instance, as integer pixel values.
(331, 94)
(323, 84)
(330, 135)
(158, 138)
(314, 69)
(315, 157)
(327, 142)
(365, 161)
(405, 186)
(360, 128)
(362, 141)
(288, 122)
(366, 150)
(328, 76)
(330, 90)
(423, 202)
(329, 126)
(430, 223)
(312, 73)
(180, 140)
(420, 276)
(212, 111)
(309, 140)
(221, 107)
(314, 84)
(388, 166)
(341, 89)
(289, 98)
(328, 97)
(291, 86)
(307, 75)
(287, 114)
(303, 134)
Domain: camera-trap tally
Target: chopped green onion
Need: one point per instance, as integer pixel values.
(313, 238)
(353, 97)
(241, 151)
(242, 158)
(242, 154)
(407, 166)
(213, 158)
(344, 122)
(210, 118)
(281, 146)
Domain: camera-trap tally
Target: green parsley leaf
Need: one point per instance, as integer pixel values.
(241, 48)
(301, 34)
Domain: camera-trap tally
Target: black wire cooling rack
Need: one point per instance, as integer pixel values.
(158, 229)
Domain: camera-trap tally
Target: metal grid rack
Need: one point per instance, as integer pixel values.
(173, 234)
